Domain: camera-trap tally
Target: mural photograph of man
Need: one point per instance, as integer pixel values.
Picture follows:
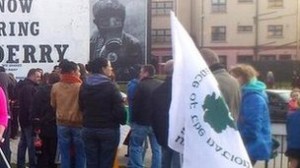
(112, 42)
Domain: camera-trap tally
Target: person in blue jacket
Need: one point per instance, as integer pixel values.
(293, 135)
(254, 120)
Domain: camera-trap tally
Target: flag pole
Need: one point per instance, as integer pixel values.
(4, 158)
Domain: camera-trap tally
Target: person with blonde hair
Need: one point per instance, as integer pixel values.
(254, 120)
(293, 102)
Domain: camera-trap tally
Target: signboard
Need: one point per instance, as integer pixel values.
(40, 33)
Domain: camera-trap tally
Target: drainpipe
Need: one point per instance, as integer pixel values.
(202, 24)
(256, 22)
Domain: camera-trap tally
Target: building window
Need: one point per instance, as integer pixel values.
(218, 6)
(275, 3)
(267, 57)
(242, 1)
(285, 57)
(161, 7)
(245, 29)
(223, 60)
(275, 31)
(218, 33)
(161, 35)
(244, 58)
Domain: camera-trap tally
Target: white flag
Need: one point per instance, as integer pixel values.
(200, 126)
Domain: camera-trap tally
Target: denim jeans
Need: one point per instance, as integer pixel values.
(170, 158)
(138, 137)
(101, 146)
(68, 137)
(26, 141)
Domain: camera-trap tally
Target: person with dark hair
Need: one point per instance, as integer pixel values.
(56, 69)
(64, 99)
(141, 122)
(103, 111)
(45, 123)
(83, 72)
(14, 108)
(111, 42)
(25, 98)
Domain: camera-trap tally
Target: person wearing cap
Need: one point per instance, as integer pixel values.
(111, 42)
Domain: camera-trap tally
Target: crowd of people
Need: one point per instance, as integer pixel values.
(77, 110)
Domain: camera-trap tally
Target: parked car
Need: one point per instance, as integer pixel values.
(278, 104)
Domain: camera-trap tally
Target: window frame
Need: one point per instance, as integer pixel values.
(275, 31)
(267, 57)
(218, 6)
(245, 29)
(161, 7)
(218, 35)
(245, 58)
(161, 35)
(275, 3)
(245, 1)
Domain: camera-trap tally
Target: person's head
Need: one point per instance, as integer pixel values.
(53, 78)
(147, 71)
(41, 70)
(34, 75)
(56, 69)
(69, 67)
(209, 56)
(82, 70)
(169, 67)
(243, 73)
(45, 78)
(109, 14)
(269, 73)
(100, 66)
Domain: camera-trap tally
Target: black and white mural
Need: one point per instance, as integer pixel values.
(119, 33)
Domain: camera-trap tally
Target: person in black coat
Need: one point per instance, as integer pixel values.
(103, 111)
(25, 98)
(161, 101)
(44, 119)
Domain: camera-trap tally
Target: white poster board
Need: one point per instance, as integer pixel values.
(39, 33)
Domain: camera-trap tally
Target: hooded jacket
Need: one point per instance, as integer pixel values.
(101, 103)
(254, 121)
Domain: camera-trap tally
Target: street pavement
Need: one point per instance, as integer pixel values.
(123, 150)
